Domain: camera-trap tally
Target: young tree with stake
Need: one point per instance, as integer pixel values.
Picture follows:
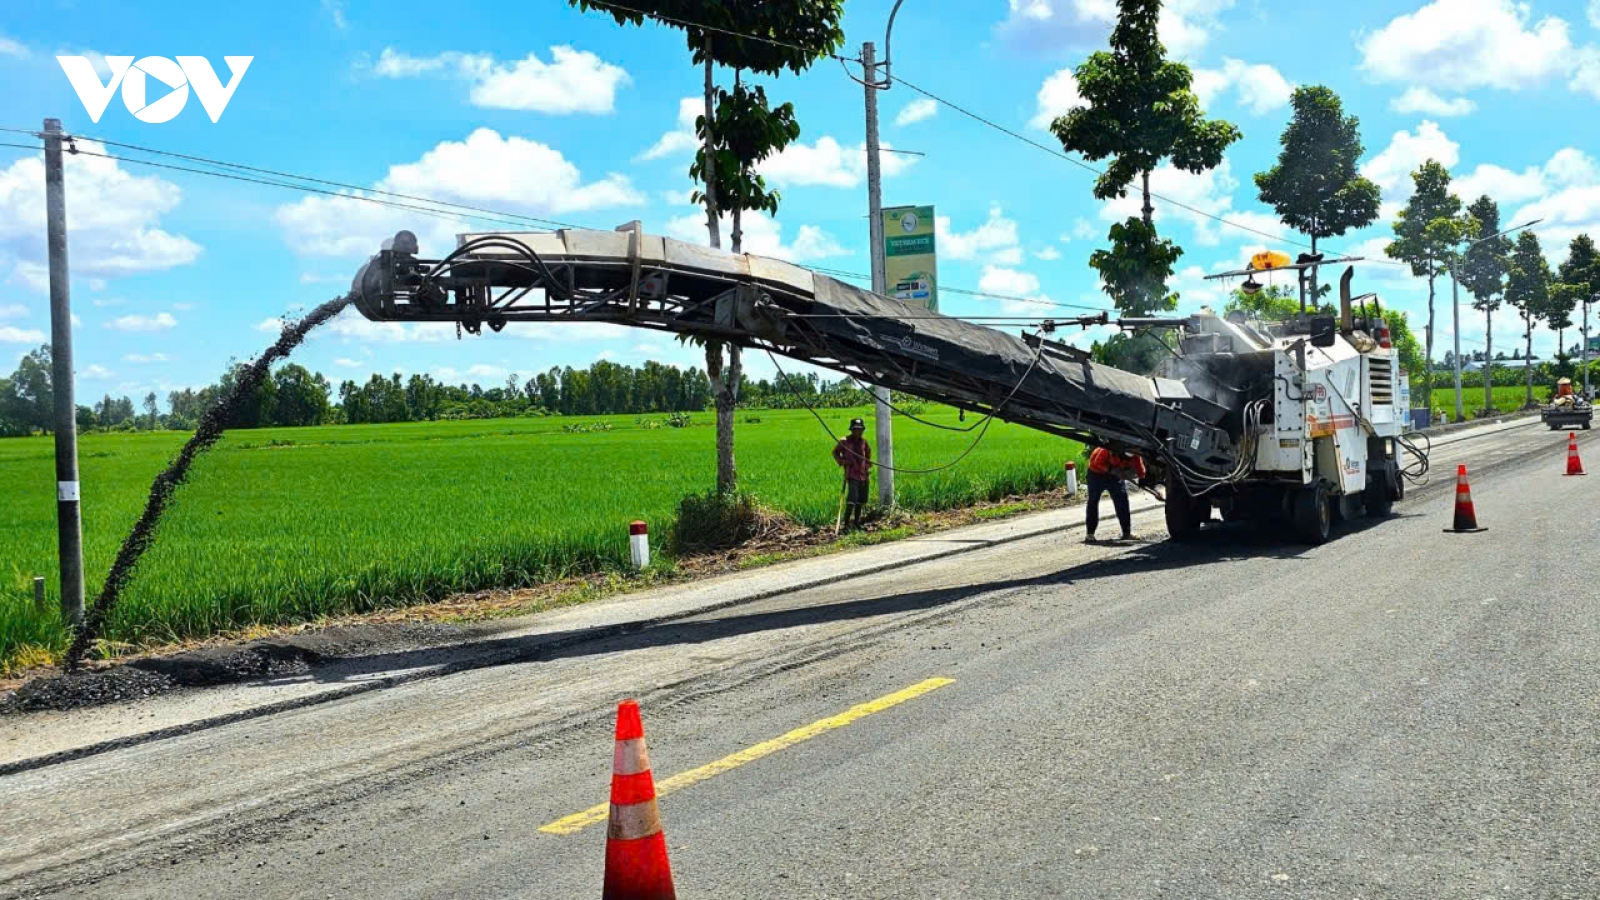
(1483, 272)
(1139, 110)
(1315, 187)
(765, 38)
(1528, 291)
(1582, 266)
(1427, 231)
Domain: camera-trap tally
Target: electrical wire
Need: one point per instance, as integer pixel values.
(499, 214)
(607, 4)
(987, 420)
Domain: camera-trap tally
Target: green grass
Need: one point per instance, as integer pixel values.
(292, 524)
(1506, 399)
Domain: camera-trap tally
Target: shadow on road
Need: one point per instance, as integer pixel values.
(1217, 544)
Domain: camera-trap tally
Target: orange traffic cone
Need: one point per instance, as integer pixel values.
(1466, 520)
(636, 849)
(1574, 464)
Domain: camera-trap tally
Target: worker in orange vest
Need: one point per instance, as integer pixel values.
(1108, 473)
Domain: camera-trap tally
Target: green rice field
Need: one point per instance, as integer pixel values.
(293, 524)
(1506, 399)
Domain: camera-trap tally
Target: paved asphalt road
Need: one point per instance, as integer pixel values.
(1399, 713)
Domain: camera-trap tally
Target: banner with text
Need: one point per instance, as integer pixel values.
(909, 263)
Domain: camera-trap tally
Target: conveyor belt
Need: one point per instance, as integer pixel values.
(647, 281)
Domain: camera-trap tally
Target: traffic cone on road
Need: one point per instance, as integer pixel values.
(1574, 464)
(636, 849)
(1466, 519)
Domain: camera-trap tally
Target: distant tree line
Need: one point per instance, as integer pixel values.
(297, 396)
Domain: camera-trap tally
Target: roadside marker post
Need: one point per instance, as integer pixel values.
(1072, 479)
(639, 544)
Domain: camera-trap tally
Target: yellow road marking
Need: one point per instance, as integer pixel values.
(594, 815)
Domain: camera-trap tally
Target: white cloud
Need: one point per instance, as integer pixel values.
(347, 363)
(1048, 254)
(140, 322)
(921, 109)
(113, 220)
(1500, 184)
(1586, 72)
(995, 238)
(1207, 194)
(1017, 291)
(335, 11)
(145, 358)
(829, 164)
(1048, 26)
(1058, 95)
(1259, 88)
(10, 334)
(1423, 100)
(12, 311)
(1082, 230)
(1463, 44)
(680, 139)
(573, 81)
(511, 173)
(9, 47)
(1391, 169)
(1569, 203)
(97, 371)
(762, 236)
(1594, 13)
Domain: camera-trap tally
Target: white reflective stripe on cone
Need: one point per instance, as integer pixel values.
(631, 758)
(634, 821)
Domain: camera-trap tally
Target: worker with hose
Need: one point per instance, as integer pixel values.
(854, 455)
(1108, 474)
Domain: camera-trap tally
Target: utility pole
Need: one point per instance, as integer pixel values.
(1585, 349)
(69, 522)
(882, 412)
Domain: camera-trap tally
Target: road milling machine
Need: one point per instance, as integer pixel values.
(1301, 420)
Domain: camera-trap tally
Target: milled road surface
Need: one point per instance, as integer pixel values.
(1398, 713)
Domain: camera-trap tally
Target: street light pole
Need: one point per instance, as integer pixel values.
(1455, 314)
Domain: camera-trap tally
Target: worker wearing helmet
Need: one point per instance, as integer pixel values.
(854, 455)
(1108, 473)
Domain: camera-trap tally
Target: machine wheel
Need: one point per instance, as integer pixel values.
(1184, 513)
(1377, 499)
(1313, 514)
(1586, 426)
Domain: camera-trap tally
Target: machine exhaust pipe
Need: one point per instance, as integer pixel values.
(1347, 320)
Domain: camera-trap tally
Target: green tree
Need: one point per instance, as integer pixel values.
(1482, 271)
(152, 416)
(1426, 232)
(762, 37)
(1315, 187)
(1582, 266)
(1528, 291)
(299, 396)
(1139, 110)
(1273, 303)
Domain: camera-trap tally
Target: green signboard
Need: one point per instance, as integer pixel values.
(909, 261)
(1594, 345)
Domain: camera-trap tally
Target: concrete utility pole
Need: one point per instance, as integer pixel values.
(883, 414)
(69, 522)
(1585, 349)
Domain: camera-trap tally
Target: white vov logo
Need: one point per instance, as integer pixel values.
(134, 78)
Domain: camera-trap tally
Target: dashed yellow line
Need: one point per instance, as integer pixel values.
(596, 814)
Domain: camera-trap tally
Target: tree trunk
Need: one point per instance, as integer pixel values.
(723, 387)
(1427, 377)
(737, 213)
(713, 227)
(1527, 358)
(1488, 359)
(723, 394)
(1148, 210)
(1316, 299)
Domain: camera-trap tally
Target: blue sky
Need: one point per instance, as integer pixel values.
(536, 109)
